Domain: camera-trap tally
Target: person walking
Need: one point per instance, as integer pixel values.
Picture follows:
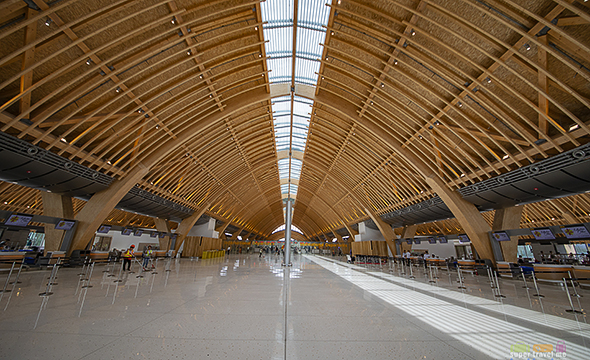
(127, 256)
(147, 255)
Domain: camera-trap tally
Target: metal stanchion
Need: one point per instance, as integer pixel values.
(569, 297)
(460, 280)
(498, 292)
(411, 271)
(536, 286)
(430, 270)
(7, 280)
(120, 272)
(50, 282)
(85, 287)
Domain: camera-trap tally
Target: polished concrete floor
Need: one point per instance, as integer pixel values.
(246, 307)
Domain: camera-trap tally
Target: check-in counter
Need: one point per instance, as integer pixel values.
(99, 256)
(8, 257)
(552, 273)
(508, 269)
(441, 263)
(582, 272)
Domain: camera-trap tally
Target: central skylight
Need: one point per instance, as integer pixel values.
(291, 114)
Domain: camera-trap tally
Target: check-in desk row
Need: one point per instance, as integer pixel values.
(548, 272)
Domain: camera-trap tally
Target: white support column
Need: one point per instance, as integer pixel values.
(287, 260)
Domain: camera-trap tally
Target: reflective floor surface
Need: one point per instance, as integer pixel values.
(246, 307)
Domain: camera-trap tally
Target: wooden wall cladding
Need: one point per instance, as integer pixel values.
(369, 248)
(195, 245)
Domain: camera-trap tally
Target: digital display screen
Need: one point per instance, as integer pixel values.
(153, 234)
(19, 220)
(126, 232)
(501, 236)
(162, 235)
(463, 238)
(104, 229)
(138, 232)
(543, 234)
(575, 232)
(65, 225)
(409, 241)
(417, 241)
(174, 236)
(431, 240)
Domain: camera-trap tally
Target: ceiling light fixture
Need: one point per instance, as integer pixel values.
(527, 47)
(413, 32)
(118, 90)
(173, 21)
(574, 127)
(89, 61)
(488, 80)
(189, 52)
(48, 21)
(505, 157)
(395, 62)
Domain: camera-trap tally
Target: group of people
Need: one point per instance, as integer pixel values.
(128, 254)
(407, 255)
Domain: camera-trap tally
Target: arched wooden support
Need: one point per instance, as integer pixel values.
(351, 232)
(58, 206)
(385, 230)
(101, 203)
(163, 226)
(99, 207)
(409, 231)
(187, 224)
(504, 219)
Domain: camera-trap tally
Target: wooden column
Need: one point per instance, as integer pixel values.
(162, 225)
(408, 231)
(506, 219)
(58, 206)
(221, 230)
(468, 216)
(100, 205)
(187, 224)
(385, 230)
(351, 232)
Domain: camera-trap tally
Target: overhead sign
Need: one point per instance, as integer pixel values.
(443, 239)
(575, 232)
(431, 240)
(417, 241)
(104, 229)
(19, 220)
(543, 234)
(65, 225)
(409, 241)
(501, 236)
(463, 238)
(126, 232)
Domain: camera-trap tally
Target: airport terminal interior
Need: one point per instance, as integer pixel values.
(294, 179)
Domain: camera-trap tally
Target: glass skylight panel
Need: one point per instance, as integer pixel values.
(296, 168)
(284, 188)
(284, 168)
(293, 190)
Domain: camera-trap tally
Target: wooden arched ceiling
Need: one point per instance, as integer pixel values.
(473, 88)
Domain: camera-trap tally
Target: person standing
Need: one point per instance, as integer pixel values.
(147, 255)
(127, 256)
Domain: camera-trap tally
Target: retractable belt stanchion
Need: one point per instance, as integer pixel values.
(411, 271)
(537, 294)
(7, 280)
(569, 296)
(85, 287)
(460, 280)
(498, 292)
(431, 278)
